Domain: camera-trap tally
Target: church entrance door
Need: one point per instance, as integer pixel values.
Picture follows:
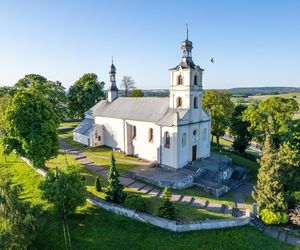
(194, 155)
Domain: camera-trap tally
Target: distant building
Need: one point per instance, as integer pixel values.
(171, 131)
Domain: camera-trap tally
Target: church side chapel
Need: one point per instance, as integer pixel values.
(171, 131)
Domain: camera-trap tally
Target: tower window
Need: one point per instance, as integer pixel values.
(167, 140)
(134, 132)
(150, 135)
(178, 102)
(195, 80)
(194, 132)
(195, 102)
(180, 80)
(184, 140)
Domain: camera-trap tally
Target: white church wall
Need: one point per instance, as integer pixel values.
(113, 132)
(204, 143)
(183, 146)
(81, 138)
(169, 155)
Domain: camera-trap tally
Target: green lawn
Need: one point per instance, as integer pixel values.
(93, 228)
(106, 151)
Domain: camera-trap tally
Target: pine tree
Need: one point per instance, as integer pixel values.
(98, 184)
(269, 191)
(167, 210)
(114, 191)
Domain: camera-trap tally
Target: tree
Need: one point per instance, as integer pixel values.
(270, 117)
(6, 90)
(128, 84)
(31, 127)
(98, 184)
(221, 108)
(4, 100)
(52, 91)
(167, 210)
(269, 191)
(17, 219)
(65, 189)
(114, 191)
(137, 93)
(239, 129)
(84, 94)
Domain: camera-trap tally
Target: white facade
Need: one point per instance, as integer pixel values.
(171, 131)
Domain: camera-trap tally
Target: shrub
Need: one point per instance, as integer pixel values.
(98, 184)
(293, 199)
(136, 202)
(167, 210)
(270, 217)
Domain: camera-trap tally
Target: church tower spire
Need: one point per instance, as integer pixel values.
(112, 88)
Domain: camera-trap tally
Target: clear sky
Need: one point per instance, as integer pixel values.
(254, 43)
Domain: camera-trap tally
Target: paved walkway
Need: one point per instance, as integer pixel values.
(239, 194)
(127, 179)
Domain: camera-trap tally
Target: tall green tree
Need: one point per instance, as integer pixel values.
(65, 190)
(84, 94)
(269, 191)
(18, 224)
(6, 90)
(221, 108)
(52, 91)
(114, 191)
(239, 129)
(137, 93)
(270, 117)
(31, 127)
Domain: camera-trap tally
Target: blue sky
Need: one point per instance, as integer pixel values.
(254, 43)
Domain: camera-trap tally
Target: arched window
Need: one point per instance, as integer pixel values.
(195, 80)
(178, 102)
(179, 80)
(194, 132)
(167, 140)
(184, 140)
(204, 134)
(150, 135)
(195, 102)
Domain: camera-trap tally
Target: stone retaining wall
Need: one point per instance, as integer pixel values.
(168, 224)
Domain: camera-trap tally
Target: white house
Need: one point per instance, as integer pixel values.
(171, 131)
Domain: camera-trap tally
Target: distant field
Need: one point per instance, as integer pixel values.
(257, 98)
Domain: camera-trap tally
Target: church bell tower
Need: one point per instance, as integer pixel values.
(186, 82)
(113, 91)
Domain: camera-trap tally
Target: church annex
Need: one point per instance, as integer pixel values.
(171, 131)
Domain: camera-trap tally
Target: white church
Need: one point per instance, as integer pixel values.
(171, 131)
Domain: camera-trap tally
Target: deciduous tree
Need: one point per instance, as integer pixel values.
(239, 129)
(127, 84)
(137, 93)
(270, 117)
(84, 94)
(18, 224)
(221, 108)
(66, 190)
(4, 100)
(31, 127)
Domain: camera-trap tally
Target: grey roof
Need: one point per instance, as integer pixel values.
(85, 127)
(148, 109)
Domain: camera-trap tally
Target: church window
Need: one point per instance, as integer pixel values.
(167, 140)
(195, 102)
(150, 135)
(184, 140)
(195, 132)
(195, 80)
(204, 134)
(179, 80)
(178, 102)
(134, 132)
(99, 138)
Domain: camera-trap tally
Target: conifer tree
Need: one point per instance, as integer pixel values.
(98, 184)
(167, 210)
(269, 191)
(114, 191)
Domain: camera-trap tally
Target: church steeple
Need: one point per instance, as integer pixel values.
(112, 88)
